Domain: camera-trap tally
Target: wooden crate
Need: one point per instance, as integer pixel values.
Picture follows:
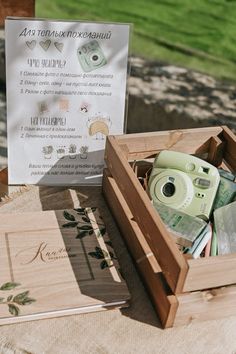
(173, 309)
(153, 249)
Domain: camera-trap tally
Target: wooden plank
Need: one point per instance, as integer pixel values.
(140, 248)
(203, 150)
(206, 305)
(144, 145)
(23, 8)
(165, 304)
(4, 176)
(210, 272)
(162, 245)
(230, 148)
(3, 183)
(209, 131)
(216, 151)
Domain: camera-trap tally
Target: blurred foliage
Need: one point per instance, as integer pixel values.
(198, 34)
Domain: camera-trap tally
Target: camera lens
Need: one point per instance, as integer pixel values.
(168, 189)
(95, 57)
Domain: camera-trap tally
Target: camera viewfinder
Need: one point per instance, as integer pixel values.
(205, 170)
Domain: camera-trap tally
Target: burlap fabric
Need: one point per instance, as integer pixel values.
(133, 330)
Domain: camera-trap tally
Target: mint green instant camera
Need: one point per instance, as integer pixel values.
(184, 182)
(91, 56)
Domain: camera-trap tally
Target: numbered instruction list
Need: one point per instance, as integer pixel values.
(66, 89)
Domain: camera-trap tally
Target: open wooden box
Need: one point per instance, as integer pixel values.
(176, 284)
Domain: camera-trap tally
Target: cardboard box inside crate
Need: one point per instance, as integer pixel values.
(218, 146)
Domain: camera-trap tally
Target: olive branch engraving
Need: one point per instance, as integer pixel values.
(14, 301)
(104, 256)
(84, 227)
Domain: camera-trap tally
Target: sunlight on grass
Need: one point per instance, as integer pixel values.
(197, 34)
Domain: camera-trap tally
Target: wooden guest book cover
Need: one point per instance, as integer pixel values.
(56, 263)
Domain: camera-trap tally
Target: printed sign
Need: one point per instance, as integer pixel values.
(66, 89)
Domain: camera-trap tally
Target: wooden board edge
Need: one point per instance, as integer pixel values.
(173, 265)
(210, 272)
(146, 145)
(126, 137)
(229, 151)
(62, 313)
(165, 304)
(216, 151)
(206, 305)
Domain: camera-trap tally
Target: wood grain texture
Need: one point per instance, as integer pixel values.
(206, 305)
(173, 310)
(140, 247)
(144, 145)
(210, 272)
(63, 260)
(216, 151)
(215, 144)
(162, 245)
(164, 301)
(23, 8)
(230, 148)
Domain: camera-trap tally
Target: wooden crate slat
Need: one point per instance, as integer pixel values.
(230, 148)
(206, 305)
(209, 131)
(146, 144)
(173, 264)
(210, 272)
(140, 246)
(165, 304)
(216, 151)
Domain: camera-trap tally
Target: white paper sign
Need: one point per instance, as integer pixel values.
(66, 88)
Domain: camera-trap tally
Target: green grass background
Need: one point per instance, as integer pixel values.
(199, 34)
